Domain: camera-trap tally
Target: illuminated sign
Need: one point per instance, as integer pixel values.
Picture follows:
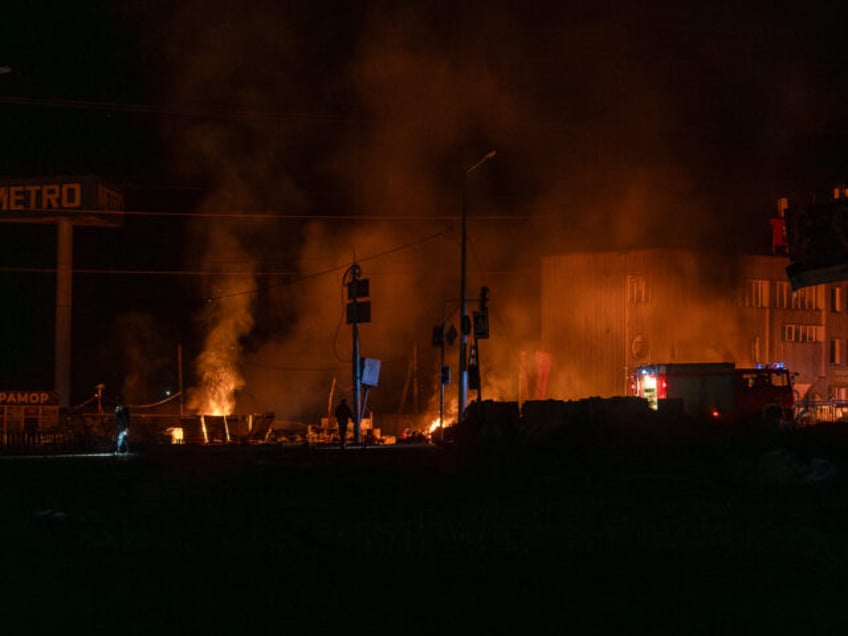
(29, 398)
(82, 200)
(47, 196)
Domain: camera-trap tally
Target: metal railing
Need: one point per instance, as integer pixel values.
(811, 412)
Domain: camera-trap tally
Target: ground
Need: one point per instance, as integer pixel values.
(422, 539)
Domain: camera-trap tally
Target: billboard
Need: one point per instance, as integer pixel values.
(818, 243)
(85, 200)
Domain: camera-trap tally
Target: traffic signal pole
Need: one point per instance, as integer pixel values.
(358, 310)
(465, 322)
(357, 368)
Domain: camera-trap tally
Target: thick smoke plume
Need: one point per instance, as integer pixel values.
(614, 128)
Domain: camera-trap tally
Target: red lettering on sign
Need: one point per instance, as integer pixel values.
(50, 196)
(16, 198)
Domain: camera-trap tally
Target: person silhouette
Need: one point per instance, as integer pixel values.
(343, 414)
(122, 424)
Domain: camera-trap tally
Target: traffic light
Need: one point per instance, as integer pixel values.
(438, 335)
(484, 298)
(481, 324)
(473, 369)
(358, 310)
(358, 288)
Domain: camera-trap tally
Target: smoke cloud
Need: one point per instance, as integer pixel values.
(614, 129)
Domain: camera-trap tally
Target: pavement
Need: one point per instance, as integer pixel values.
(412, 539)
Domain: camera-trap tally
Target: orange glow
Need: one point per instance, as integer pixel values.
(218, 371)
(219, 386)
(176, 434)
(204, 430)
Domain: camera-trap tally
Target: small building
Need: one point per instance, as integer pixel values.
(27, 416)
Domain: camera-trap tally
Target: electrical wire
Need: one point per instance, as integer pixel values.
(170, 398)
(266, 216)
(143, 272)
(299, 117)
(275, 367)
(184, 111)
(331, 270)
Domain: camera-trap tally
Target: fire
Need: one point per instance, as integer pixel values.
(434, 426)
(228, 318)
(217, 366)
(220, 382)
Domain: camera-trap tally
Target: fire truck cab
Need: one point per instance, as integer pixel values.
(719, 391)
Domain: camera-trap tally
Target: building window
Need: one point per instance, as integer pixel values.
(782, 294)
(804, 298)
(802, 333)
(840, 393)
(637, 289)
(836, 351)
(808, 333)
(756, 293)
(836, 299)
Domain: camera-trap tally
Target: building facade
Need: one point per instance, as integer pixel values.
(604, 313)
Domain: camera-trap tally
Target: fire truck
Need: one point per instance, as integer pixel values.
(718, 391)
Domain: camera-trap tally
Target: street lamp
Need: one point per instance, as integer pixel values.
(465, 323)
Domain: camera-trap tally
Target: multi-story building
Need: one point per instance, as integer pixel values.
(604, 313)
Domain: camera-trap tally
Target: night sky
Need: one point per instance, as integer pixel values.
(332, 130)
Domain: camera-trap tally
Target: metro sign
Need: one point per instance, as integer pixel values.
(80, 199)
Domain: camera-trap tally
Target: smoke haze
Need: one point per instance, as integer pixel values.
(615, 128)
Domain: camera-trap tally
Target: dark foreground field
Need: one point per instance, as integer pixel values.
(708, 539)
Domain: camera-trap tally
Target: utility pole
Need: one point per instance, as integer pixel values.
(180, 376)
(465, 321)
(357, 311)
(441, 335)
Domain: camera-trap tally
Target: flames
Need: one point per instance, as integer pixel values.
(229, 318)
(218, 370)
(220, 381)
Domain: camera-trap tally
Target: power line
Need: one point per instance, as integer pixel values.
(331, 270)
(185, 111)
(272, 216)
(142, 272)
(257, 274)
(553, 126)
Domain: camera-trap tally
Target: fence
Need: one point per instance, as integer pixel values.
(811, 412)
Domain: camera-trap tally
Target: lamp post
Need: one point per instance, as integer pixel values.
(465, 323)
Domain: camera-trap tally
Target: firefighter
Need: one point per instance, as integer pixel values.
(122, 424)
(343, 414)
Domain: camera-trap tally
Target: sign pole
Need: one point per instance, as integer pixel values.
(357, 371)
(64, 284)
